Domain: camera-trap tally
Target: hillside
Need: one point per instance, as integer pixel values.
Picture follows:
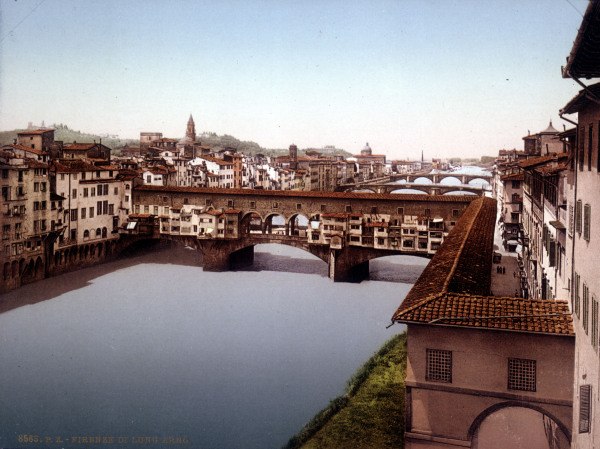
(68, 135)
(211, 139)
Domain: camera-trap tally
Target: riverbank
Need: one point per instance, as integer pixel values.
(371, 412)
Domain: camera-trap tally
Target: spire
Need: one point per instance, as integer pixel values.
(190, 132)
(422, 160)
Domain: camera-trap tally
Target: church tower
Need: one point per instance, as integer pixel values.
(190, 132)
(293, 157)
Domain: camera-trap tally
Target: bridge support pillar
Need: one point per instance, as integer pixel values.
(343, 269)
(242, 258)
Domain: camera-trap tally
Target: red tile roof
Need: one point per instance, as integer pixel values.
(491, 312)
(454, 288)
(464, 199)
(513, 177)
(34, 132)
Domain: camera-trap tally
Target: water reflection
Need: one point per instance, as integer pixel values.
(152, 345)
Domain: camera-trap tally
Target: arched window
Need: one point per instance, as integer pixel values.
(104, 233)
(86, 234)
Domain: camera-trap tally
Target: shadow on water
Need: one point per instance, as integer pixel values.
(159, 253)
(273, 257)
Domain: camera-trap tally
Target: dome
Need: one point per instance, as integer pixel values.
(366, 151)
(550, 129)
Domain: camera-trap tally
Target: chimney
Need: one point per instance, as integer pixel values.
(14, 141)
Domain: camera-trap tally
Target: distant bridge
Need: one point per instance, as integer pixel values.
(344, 229)
(384, 185)
(430, 189)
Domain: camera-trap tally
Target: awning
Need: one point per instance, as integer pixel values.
(131, 225)
(437, 219)
(558, 225)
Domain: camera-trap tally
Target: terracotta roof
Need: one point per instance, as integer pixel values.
(24, 148)
(492, 312)
(463, 199)
(542, 159)
(73, 166)
(35, 131)
(454, 288)
(513, 177)
(79, 146)
(33, 163)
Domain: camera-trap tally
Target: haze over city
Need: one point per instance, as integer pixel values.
(450, 78)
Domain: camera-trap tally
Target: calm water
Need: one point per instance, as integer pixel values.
(153, 346)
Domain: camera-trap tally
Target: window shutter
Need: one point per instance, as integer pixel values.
(585, 408)
(552, 253)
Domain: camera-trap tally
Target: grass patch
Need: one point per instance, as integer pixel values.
(370, 414)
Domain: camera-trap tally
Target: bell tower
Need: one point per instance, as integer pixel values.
(190, 132)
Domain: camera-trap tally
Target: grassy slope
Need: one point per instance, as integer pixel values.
(370, 414)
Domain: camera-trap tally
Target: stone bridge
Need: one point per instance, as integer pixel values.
(430, 189)
(346, 230)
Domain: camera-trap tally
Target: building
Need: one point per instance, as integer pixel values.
(583, 62)
(27, 219)
(477, 361)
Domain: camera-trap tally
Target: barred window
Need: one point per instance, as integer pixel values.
(439, 366)
(521, 374)
(585, 408)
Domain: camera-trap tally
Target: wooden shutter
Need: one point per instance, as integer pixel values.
(585, 408)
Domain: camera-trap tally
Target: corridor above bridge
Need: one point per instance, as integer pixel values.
(344, 229)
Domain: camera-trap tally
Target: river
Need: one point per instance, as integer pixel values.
(152, 346)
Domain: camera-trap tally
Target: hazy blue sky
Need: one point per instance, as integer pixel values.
(450, 77)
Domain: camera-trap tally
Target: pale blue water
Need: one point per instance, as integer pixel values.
(153, 346)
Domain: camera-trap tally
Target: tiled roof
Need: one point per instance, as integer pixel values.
(465, 199)
(74, 166)
(16, 146)
(79, 146)
(34, 131)
(454, 288)
(513, 177)
(491, 312)
(533, 161)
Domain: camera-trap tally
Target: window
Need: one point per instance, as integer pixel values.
(594, 332)
(590, 140)
(374, 209)
(576, 297)
(186, 201)
(99, 208)
(116, 190)
(92, 212)
(578, 216)
(73, 214)
(230, 203)
(585, 408)
(74, 193)
(298, 206)
(427, 212)
(455, 213)
(586, 307)
(252, 204)
(587, 215)
(111, 209)
(85, 191)
(323, 207)
(106, 189)
(439, 366)
(521, 374)
(207, 202)
(400, 211)
(348, 208)
(275, 205)
(93, 191)
(83, 213)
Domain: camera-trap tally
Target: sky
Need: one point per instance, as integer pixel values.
(451, 78)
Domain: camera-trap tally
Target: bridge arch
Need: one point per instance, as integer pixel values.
(298, 224)
(412, 191)
(251, 223)
(479, 181)
(450, 180)
(459, 192)
(486, 428)
(422, 180)
(275, 223)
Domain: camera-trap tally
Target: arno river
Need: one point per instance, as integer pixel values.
(150, 351)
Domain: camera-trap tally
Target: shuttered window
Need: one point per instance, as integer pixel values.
(578, 216)
(552, 253)
(594, 332)
(521, 374)
(585, 408)
(586, 307)
(587, 216)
